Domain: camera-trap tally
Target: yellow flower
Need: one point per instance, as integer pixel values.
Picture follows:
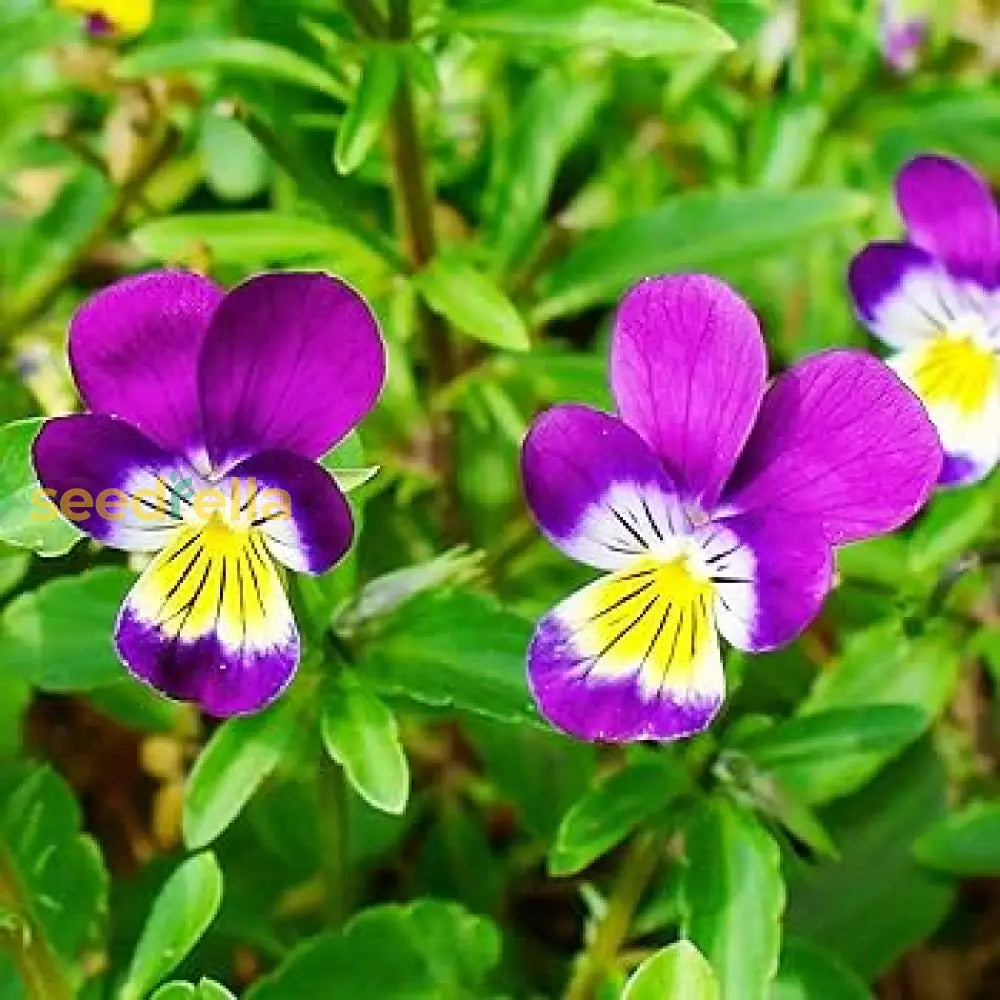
(124, 17)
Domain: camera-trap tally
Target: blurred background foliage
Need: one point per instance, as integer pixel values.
(492, 174)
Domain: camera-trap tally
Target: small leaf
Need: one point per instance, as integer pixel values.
(696, 231)
(256, 59)
(679, 972)
(207, 989)
(59, 637)
(807, 973)
(636, 28)
(28, 519)
(966, 843)
(237, 167)
(733, 899)
(950, 526)
(603, 817)
(362, 124)
(359, 731)
(240, 755)
(823, 755)
(472, 303)
(182, 912)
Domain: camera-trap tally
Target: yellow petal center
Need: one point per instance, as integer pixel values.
(956, 370)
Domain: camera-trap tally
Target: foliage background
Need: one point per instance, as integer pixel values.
(492, 175)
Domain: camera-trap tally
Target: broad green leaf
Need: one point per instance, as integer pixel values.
(207, 989)
(237, 167)
(966, 843)
(554, 112)
(823, 755)
(875, 902)
(733, 898)
(28, 518)
(696, 231)
(636, 28)
(433, 650)
(678, 972)
(807, 973)
(360, 733)
(603, 817)
(882, 665)
(59, 637)
(52, 880)
(260, 237)
(472, 303)
(240, 755)
(428, 950)
(182, 912)
(362, 124)
(248, 56)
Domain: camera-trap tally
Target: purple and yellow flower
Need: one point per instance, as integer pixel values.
(196, 394)
(712, 502)
(935, 299)
(113, 17)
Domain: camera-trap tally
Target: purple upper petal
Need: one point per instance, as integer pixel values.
(94, 453)
(949, 211)
(840, 440)
(292, 362)
(134, 351)
(595, 488)
(319, 531)
(688, 368)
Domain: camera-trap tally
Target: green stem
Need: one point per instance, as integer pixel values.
(368, 16)
(333, 840)
(612, 931)
(22, 938)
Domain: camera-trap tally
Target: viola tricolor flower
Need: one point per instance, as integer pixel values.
(194, 392)
(713, 503)
(113, 17)
(935, 299)
(903, 34)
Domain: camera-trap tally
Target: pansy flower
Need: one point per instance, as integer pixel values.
(712, 502)
(904, 30)
(113, 17)
(201, 403)
(935, 299)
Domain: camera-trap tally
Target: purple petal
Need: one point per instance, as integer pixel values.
(292, 362)
(208, 621)
(770, 577)
(688, 368)
(627, 659)
(949, 211)
(134, 351)
(320, 527)
(94, 454)
(594, 487)
(840, 440)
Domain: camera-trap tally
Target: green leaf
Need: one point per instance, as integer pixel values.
(360, 733)
(472, 303)
(240, 755)
(28, 518)
(207, 989)
(52, 880)
(636, 28)
(882, 665)
(432, 650)
(237, 167)
(264, 237)
(604, 816)
(247, 56)
(966, 843)
(550, 118)
(821, 756)
(807, 973)
(428, 950)
(59, 637)
(679, 972)
(874, 902)
(362, 124)
(182, 912)
(733, 898)
(696, 231)
(950, 527)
